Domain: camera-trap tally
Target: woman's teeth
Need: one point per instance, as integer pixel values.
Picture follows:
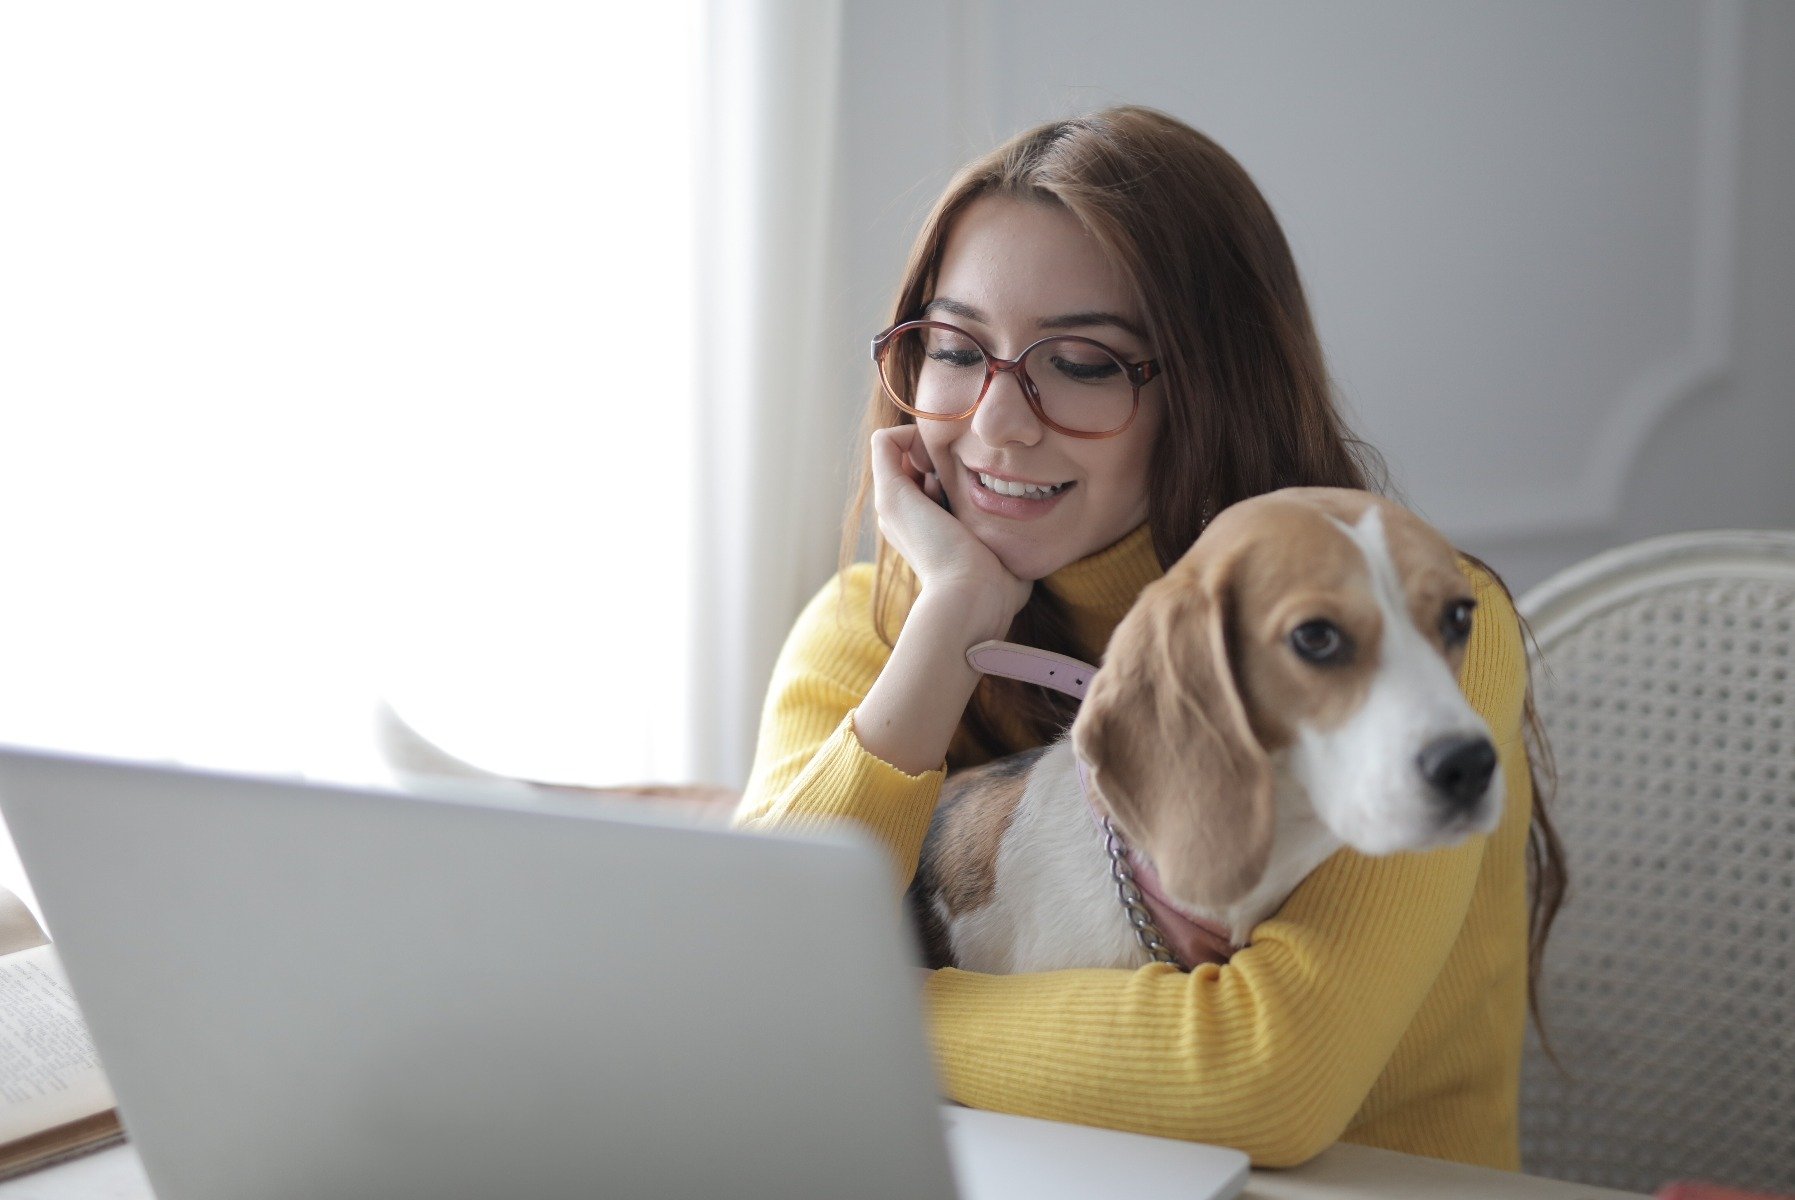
(1028, 490)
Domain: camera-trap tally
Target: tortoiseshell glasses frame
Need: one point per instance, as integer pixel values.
(1137, 373)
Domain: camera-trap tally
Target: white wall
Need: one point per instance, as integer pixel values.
(1550, 247)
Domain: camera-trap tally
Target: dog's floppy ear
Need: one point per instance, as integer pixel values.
(1170, 750)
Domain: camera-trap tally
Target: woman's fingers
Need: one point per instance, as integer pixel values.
(931, 487)
(918, 455)
(895, 454)
(909, 501)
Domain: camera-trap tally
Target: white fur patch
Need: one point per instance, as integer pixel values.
(1054, 907)
(1363, 776)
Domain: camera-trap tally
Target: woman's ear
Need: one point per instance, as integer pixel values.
(1171, 754)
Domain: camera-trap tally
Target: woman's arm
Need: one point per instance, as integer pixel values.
(910, 714)
(810, 768)
(1275, 1051)
(852, 729)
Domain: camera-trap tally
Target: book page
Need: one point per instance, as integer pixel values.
(49, 1072)
(18, 928)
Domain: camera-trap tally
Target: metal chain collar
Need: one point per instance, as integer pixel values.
(1133, 903)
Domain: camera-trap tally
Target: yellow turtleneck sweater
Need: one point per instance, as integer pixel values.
(1383, 1004)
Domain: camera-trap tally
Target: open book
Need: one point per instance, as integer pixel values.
(54, 1101)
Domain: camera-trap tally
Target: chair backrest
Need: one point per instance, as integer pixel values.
(1667, 690)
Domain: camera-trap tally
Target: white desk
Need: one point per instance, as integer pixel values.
(1344, 1172)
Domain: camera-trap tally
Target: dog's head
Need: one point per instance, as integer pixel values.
(1323, 625)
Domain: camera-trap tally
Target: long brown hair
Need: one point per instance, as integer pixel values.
(1248, 406)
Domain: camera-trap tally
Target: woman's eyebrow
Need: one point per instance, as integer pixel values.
(943, 304)
(1068, 321)
(1075, 320)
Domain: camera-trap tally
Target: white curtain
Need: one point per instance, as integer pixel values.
(776, 404)
(351, 350)
(345, 349)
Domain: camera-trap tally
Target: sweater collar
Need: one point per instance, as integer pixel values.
(1097, 591)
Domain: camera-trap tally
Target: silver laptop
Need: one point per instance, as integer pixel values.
(312, 991)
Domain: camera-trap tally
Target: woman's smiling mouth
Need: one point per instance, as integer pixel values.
(1010, 487)
(1014, 498)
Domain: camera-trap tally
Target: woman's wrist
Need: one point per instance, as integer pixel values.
(912, 710)
(965, 611)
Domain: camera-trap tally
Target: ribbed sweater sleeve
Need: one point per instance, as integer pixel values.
(810, 769)
(1275, 1051)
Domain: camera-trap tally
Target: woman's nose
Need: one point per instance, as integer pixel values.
(1004, 417)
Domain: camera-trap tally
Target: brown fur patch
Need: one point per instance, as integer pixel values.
(959, 855)
(975, 810)
(1310, 571)
(1432, 578)
(1172, 756)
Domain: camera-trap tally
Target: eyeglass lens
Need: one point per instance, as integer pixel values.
(1081, 385)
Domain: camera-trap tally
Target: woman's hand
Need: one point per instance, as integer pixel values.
(948, 559)
(968, 596)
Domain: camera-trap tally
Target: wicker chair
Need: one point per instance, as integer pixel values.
(1667, 689)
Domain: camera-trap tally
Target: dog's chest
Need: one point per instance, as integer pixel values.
(1054, 906)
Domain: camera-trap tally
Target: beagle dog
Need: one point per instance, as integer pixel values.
(1289, 687)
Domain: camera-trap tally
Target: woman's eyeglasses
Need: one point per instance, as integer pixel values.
(1076, 386)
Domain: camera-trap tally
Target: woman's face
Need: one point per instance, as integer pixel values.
(1013, 272)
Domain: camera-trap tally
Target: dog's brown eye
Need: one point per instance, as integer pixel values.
(1455, 623)
(1318, 641)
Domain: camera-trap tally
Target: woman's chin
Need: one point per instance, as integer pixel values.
(1025, 562)
(1032, 560)
(1023, 554)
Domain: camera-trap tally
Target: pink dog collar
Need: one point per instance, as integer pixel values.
(1191, 941)
(1043, 667)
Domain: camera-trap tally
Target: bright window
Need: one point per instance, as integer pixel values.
(345, 351)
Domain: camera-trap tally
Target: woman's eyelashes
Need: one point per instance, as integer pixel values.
(1085, 372)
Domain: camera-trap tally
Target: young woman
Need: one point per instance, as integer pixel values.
(1142, 282)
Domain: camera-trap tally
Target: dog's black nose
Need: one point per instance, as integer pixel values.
(1459, 768)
